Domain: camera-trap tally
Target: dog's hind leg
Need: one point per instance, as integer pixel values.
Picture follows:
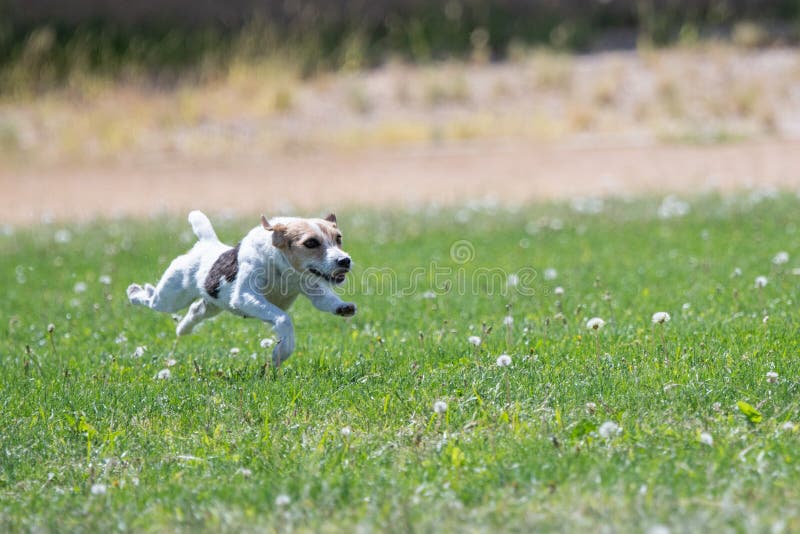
(198, 312)
(174, 291)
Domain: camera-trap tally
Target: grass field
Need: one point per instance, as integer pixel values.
(632, 427)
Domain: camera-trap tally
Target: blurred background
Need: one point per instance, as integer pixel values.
(112, 108)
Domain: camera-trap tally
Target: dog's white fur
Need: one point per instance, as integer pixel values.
(274, 267)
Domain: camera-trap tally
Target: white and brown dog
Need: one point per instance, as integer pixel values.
(260, 277)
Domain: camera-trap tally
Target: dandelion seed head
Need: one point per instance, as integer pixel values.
(62, 236)
(245, 472)
(98, 489)
(736, 272)
(139, 351)
(267, 342)
(672, 207)
(440, 407)
(508, 320)
(171, 362)
(595, 323)
(282, 500)
(51, 328)
(80, 287)
(504, 360)
(550, 274)
(661, 318)
(772, 377)
(429, 295)
(512, 280)
(234, 351)
(558, 291)
(686, 306)
(104, 279)
(474, 340)
(780, 258)
(164, 374)
(609, 429)
(761, 281)
(345, 432)
(787, 426)
(706, 439)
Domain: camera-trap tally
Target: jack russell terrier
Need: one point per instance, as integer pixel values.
(260, 277)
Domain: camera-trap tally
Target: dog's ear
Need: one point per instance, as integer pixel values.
(331, 217)
(265, 223)
(280, 238)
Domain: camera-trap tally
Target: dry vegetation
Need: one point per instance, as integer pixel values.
(702, 94)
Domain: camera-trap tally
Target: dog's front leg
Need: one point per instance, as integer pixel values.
(255, 305)
(324, 299)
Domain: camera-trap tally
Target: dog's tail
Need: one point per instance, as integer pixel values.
(201, 226)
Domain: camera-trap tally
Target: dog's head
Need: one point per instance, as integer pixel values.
(311, 246)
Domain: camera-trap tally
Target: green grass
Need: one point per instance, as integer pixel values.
(214, 446)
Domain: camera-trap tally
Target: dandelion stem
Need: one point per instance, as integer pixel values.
(53, 346)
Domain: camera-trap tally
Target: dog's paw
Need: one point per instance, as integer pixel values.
(348, 309)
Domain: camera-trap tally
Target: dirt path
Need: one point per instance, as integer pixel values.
(512, 172)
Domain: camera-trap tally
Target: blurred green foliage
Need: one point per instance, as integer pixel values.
(40, 52)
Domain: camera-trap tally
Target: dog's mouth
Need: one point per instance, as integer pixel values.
(336, 277)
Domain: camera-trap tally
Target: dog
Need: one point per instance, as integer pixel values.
(260, 277)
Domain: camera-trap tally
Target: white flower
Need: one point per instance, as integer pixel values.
(772, 377)
(595, 323)
(345, 432)
(80, 287)
(104, 279)
(164, 374)
(781, 258)
(234, 351)
(139, 351)
(661, 318)
(267, 342)
(440, 407)
(591, 407)
(170, 362)
(550, 274)
(475, 340)
(504, 360)
(508, 320)
(51, 328)
(558, 291)
(98, 489)
(512, 280)
(609, 429)
(761, 281)
(282, 500)
(706, 439)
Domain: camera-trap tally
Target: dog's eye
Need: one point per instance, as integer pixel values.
(338, 240)
(311, 243)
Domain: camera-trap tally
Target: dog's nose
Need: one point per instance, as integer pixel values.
(343, 262)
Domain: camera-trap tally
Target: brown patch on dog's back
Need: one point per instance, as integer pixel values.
(226, 266)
